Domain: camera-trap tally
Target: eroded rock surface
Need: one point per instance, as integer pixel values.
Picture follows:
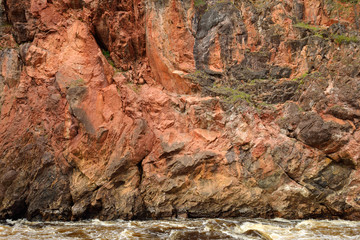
(160, 109)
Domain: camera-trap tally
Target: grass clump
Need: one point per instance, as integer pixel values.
(300, 79)
(199, 3)
(321, 32)
(110, 61)
(108, 57)
(308, 26)
(316, 30)
(105, 53)
(231, 95)
(340, 39)
(240, 95)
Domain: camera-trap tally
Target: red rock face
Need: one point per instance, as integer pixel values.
(157, 109)
(170, 44)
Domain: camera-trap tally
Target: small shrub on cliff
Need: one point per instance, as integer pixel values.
(240, 95)
(105, 53)
(231, 95)
(316, 30)
(308, 26)
(110, 61)
(199, 3)
(108, 57)
(321, 32)
(339, 39)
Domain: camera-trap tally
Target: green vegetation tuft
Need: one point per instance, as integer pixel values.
(350, 1)
(240, 95)
(199, 3)
(231, 95)
(105, 53)
(108, 57)
(340, 39)
(110, 61)
(308, 26)
(300, 79)
(321, 32)
(197, 74)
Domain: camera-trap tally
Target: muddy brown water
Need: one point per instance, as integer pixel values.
(182, 229)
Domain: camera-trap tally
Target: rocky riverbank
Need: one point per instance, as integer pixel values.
(158, 109)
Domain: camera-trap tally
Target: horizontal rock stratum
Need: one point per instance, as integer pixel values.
(157, 109)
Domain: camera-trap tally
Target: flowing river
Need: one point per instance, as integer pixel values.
(182, 229)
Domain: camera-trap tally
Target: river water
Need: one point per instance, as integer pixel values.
(182, 229)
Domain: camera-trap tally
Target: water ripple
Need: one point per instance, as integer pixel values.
(244, 229)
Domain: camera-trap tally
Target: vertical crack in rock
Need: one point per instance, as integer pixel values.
(292, 179)
(141, 171)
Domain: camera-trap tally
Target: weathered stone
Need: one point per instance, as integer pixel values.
(298, 10)
(274, 132)
(8, 178)
(23, 32)
(279, 72)
(243, 73)
(313, 131)
(102, 135)
(343, 112)
(10, 67)
(76, 94)
(337, 28)
(173, 148)
(254, 66)
(333, 177)
(223, 23)
(282, 92)
(49, 197)
(80, 185)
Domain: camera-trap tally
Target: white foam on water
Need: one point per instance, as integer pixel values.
(327, 223)
(234, 235)
(305, 230)
(125, 234)
(276, 229)
(283, 220)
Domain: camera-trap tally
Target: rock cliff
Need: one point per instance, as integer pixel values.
(166, 108)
